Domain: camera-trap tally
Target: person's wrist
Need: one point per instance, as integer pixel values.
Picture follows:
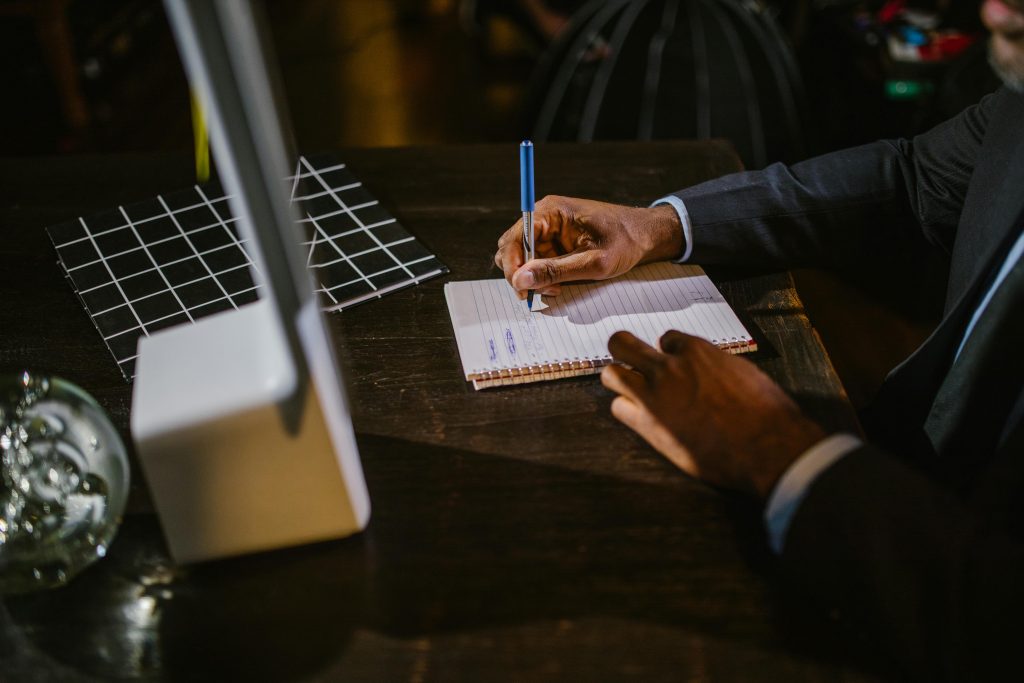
(662, 233)
(780, 448)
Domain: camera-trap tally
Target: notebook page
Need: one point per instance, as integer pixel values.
(495, 331)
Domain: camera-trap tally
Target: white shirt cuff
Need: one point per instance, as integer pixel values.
(684, 218)
(796, 481)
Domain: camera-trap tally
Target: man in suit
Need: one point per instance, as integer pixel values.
(917, 532)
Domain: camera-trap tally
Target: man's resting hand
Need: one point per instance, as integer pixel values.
(714, 415)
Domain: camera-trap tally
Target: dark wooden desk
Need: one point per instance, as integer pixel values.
(517, 534)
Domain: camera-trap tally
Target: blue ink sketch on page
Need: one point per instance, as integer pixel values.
(492, 352)
(510, 342)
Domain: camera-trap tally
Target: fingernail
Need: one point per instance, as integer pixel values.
(527, 279)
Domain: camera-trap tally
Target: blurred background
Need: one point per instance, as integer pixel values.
(782, 79)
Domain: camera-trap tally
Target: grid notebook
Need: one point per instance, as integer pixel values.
(501, 342)
(178, 257)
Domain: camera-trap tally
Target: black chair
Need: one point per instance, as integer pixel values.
(660, 69)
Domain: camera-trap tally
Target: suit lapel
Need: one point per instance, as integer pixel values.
(990, 219)
(993, 205)
(972, 407)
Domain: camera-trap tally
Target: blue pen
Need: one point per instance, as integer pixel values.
(526, 200)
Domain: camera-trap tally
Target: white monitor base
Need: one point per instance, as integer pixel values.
(225, 472)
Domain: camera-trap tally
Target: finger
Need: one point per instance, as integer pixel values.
(627, 349)
(637, 418)
(553, 290)
(626, 382)
(550, 218)
(509, 256)
(558, 226)
(629, 413)
(588, 264)
(547, 250)
(675, 342)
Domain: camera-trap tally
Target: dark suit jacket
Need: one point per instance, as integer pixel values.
(918, 534)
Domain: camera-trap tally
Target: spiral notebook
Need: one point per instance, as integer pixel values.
(501, 342)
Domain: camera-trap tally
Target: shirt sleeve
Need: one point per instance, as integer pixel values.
(796, 481)
(684, 219)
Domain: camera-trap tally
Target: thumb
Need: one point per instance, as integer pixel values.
(579, 265)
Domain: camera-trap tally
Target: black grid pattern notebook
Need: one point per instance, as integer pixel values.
(178, 257)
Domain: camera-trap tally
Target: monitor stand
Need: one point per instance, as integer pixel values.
(237, 454)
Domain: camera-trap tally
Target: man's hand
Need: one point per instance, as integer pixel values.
(714, 415)
(581, 239)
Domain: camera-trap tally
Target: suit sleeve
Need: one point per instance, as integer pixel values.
(938, 587)
(893, 197)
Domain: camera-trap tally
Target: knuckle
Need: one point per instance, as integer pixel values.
(659, 365)
(555, 205)
(550, 271)
(601, 262)
(674, 366)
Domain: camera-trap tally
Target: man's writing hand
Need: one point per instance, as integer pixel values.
(581, 239)
(714, 415)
